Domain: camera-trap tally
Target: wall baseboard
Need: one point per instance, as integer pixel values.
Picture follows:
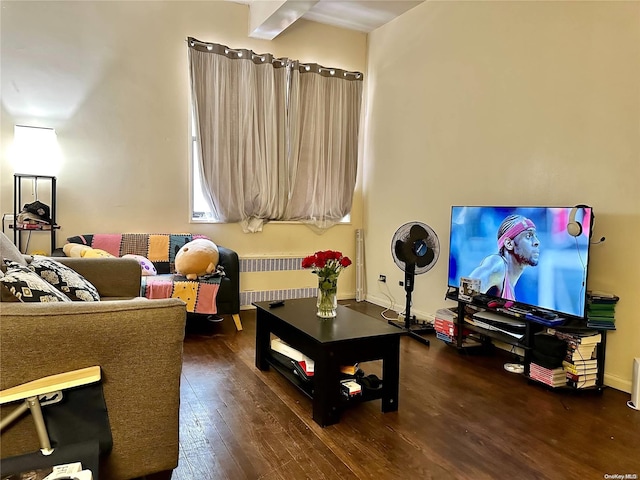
(617, 383)
(384, 302)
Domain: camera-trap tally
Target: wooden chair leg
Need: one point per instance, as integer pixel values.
(236, 320)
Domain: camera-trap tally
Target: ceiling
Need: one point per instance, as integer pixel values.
(269, 18)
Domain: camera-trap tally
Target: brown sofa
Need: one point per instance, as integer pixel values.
(161, 249)
(138, 345)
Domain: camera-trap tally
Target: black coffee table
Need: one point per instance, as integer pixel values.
(351, 337)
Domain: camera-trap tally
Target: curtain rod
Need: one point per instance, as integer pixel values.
(302, 67)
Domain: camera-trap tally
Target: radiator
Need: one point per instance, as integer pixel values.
(249, 265)
(270, 264)
(247, 298)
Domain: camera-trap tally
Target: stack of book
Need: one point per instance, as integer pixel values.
(446, 328)
(580, 352)
(581, 373)
(601, 310)
(350, 388)
(33, 225)
(580, 363)
(445, 324)
(301, 365)
(554, 377)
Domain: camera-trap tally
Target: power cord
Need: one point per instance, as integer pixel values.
(391, 300)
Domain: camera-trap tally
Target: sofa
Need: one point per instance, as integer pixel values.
(138, 345)
(217, 295)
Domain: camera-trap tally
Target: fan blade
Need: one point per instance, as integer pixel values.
(426, 259)
(410, 249)
(417, 232)
(400, 249)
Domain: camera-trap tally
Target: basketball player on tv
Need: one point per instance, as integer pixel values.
(518, 248)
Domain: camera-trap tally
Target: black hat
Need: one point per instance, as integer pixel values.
(38, 208)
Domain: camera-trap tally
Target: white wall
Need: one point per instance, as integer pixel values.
(502, 103)
(112, 79)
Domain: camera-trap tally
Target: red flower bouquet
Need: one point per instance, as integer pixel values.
(327, 265)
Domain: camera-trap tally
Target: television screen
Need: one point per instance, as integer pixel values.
(536, 256)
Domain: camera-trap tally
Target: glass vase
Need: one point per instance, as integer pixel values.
(327, 297)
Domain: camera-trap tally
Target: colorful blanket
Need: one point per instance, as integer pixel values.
(199, 295)
(161, 249)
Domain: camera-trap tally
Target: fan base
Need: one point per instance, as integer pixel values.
(415, 330)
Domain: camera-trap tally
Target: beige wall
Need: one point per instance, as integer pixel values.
(502, 103)
(112, 79)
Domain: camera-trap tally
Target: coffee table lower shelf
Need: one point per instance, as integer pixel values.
(307, 386)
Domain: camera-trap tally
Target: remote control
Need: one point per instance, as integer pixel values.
(518, 310)
(276, 303)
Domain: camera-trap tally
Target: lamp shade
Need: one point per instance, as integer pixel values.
(35, 151)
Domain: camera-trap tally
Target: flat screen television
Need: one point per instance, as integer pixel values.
(544, 252)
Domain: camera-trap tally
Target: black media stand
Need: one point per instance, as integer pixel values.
(531, 328)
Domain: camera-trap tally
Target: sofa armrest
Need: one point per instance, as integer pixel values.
(137, 343)
(228, 298)
(113, 277)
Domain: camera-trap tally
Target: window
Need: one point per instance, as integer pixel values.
(200, 210)
(274, 139)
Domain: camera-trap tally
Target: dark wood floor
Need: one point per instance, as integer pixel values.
(460, 417)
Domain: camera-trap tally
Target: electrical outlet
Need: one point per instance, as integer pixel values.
(7, 222)
(382, 278)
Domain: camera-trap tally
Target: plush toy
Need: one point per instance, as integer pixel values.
(96, 253)
(84, 251)
(196, 258)
(146, 266)
(74, 249)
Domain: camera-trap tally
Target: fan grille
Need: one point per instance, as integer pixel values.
(415, 245)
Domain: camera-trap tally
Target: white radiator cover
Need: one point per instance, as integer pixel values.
(273, 264)
(291, 263)
(635, 385)
(248, 297)
(359, 265)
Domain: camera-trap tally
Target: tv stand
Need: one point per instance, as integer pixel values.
(486, 336)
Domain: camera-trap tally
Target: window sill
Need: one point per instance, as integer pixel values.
(272, 222)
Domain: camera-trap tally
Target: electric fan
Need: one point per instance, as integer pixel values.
(415, 249)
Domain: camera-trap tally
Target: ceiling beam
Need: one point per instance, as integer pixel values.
(268, 19)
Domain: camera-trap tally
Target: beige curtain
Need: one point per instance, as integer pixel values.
(323, 128)
(276, 140)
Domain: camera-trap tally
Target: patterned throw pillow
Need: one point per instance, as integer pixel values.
(65, 279)
(9, 251)
(147, 266)
(28, 286)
